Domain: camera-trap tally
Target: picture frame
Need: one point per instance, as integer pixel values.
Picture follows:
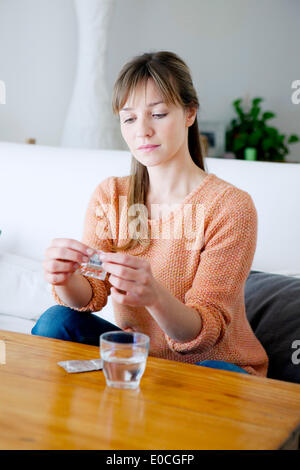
(214, 131)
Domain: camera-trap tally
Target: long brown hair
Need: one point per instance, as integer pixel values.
(173, 79)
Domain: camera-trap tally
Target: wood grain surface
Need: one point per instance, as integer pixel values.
(178, 406)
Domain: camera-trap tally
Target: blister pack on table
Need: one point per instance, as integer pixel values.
(81, 366)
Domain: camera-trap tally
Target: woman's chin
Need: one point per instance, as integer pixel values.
(149, 161)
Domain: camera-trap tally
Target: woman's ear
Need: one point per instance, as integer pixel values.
(190, 116)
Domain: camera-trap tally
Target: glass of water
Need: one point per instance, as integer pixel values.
(124, 356)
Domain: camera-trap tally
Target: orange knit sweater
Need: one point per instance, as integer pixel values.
(208, 276)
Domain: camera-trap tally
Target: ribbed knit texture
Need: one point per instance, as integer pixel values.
(209, 278)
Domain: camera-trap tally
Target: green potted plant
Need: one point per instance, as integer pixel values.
(252, 130)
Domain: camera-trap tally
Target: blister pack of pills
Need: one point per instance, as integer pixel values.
(93, 268)
(81, 366)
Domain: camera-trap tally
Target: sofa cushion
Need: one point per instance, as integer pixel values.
(17, 324)
(273, 310)
(23, 291)
(25, 295)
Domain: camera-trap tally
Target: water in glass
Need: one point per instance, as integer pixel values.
(124, 368)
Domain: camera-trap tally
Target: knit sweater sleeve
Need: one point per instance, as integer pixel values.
(225, 262)
(96, 234)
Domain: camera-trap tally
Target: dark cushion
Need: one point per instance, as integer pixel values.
(273, 310)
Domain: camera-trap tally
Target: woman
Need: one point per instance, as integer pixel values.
(184, 289)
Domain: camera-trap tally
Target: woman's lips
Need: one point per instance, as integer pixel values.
(149, 148)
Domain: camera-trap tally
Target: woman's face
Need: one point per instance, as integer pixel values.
(150, 121)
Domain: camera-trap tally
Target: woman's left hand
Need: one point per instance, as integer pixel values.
(132, 275)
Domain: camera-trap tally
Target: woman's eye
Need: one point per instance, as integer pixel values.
(158, 116)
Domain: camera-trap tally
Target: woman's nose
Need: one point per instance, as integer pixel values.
(144, 128)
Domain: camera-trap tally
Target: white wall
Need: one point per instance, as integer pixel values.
(38, 42)
(233, 48)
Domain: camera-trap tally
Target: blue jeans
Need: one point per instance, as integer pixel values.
(83, 327)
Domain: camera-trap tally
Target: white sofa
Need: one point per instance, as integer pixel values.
(44, 192)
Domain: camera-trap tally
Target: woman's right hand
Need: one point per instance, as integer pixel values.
(62, 258)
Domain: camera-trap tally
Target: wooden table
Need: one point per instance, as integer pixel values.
(178, 406)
